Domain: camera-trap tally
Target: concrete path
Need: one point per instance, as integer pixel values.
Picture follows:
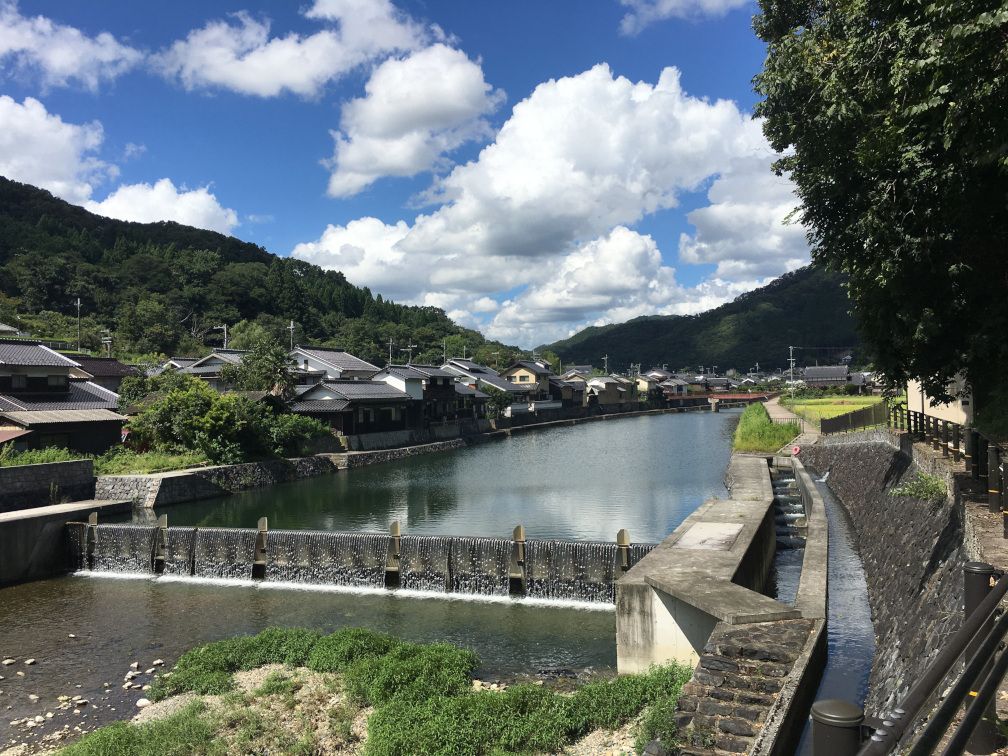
(809, 435)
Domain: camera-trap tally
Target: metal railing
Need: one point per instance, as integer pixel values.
(839, 728)
(982, 456)
(859, 419)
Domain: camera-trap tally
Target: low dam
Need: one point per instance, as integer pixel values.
(537, 569)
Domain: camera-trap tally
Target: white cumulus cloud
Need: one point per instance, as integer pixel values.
(60, 54)
(415, 110)
(239, 54)
(542, 222)
(646, 12)
(146, 203)
(39, 148)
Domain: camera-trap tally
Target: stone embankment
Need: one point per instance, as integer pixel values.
(50, 483)
(163, 489)
(912, 550)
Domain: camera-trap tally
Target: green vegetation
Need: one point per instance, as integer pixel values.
(267, 366)
(422, 695)
(164, 288)
(815, 409)
(923, 486)
(890, 121)
(226, 428)
(755, 433)
(807, 307)
(116, 461)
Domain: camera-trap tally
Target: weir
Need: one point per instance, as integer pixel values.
(541, 569)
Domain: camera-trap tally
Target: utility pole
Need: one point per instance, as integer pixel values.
(495, 354)
(78, 324)
(605, 361)
(224, 327)
(444, 351)
(291, 329)
(409, 348)
(791, 360)
(390, 350)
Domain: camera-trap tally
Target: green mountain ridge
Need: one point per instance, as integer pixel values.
(806, 309)
(167, 288)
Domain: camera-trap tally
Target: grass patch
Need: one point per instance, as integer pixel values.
(116, 461)
(814, 410)
(189, 731)
(755, 433)
(923, 486)
(422, 697)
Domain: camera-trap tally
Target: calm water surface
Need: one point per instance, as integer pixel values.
(580, 482)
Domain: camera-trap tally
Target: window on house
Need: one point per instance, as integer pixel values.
(57, 380)
(19, 381)
(511, 379)
(523, 379)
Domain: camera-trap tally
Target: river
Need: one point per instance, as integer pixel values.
(583, 482)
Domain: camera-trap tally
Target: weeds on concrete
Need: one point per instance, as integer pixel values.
(755, 433)
(923, 486)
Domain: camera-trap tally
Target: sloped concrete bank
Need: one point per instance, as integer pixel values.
(913, 551)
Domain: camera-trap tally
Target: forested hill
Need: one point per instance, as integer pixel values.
(163, 287)
(807, 309)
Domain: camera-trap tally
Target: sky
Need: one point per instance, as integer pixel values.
(532, 167)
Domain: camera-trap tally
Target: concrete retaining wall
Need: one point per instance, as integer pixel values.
(25, 486)
(913, 552)
(758, 662)
(163, 489)
(33, 543)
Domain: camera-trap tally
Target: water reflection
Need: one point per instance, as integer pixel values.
(576, 483)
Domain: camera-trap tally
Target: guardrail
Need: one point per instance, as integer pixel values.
(982, 456)
(839, 728)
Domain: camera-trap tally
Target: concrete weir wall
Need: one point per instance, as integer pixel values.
(694, 599)
(913, 551)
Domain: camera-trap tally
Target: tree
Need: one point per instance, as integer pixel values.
(498, 402)
(266, 367)
(892, 123)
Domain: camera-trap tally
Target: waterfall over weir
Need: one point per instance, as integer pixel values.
(553, 570)
(323, 558)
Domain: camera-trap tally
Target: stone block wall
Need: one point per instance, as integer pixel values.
(743, 669)
(189, 485)
(912, 550)
(27, 486)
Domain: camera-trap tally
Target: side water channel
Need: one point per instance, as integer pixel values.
(573, 484)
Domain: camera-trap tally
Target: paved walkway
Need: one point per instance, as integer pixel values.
(809, 435)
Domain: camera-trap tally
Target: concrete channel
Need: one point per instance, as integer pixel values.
(694, 599)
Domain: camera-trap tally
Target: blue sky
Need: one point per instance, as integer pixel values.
(530, 167)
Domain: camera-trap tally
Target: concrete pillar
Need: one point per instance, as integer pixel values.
(956, 440)
(944, 437)
(836, 728)
(982, 462)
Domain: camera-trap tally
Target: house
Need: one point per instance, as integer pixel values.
(568, 393)
(579, 373)
(6, 330)
(42, 405)
(958, 411)
(353, 407)
(107, 372)
(480, 377)
(674, 387)
(208, 368)
(470, 402)
(827, 375)
(334, 364)
(174, 363)
(659, 374)
(645, 384)
(535, 374)
(611, 393)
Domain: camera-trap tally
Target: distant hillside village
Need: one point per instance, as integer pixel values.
(52, 398)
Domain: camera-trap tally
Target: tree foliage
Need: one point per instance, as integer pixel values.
(268, 366)
(892, 122)
(227, 428)
(164, 287)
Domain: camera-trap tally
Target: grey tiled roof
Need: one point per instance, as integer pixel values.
(337, 358)
(363, 390)
(433, 372)
(31, 353)
(461, 388)
(54, 417)
(105, 367)
(83, 395)
(319, 405)
(405, 371)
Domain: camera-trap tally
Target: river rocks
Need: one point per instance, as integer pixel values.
(32, 697)
(29, 662)
(143, 703)
(135, 666)
(7, 662)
